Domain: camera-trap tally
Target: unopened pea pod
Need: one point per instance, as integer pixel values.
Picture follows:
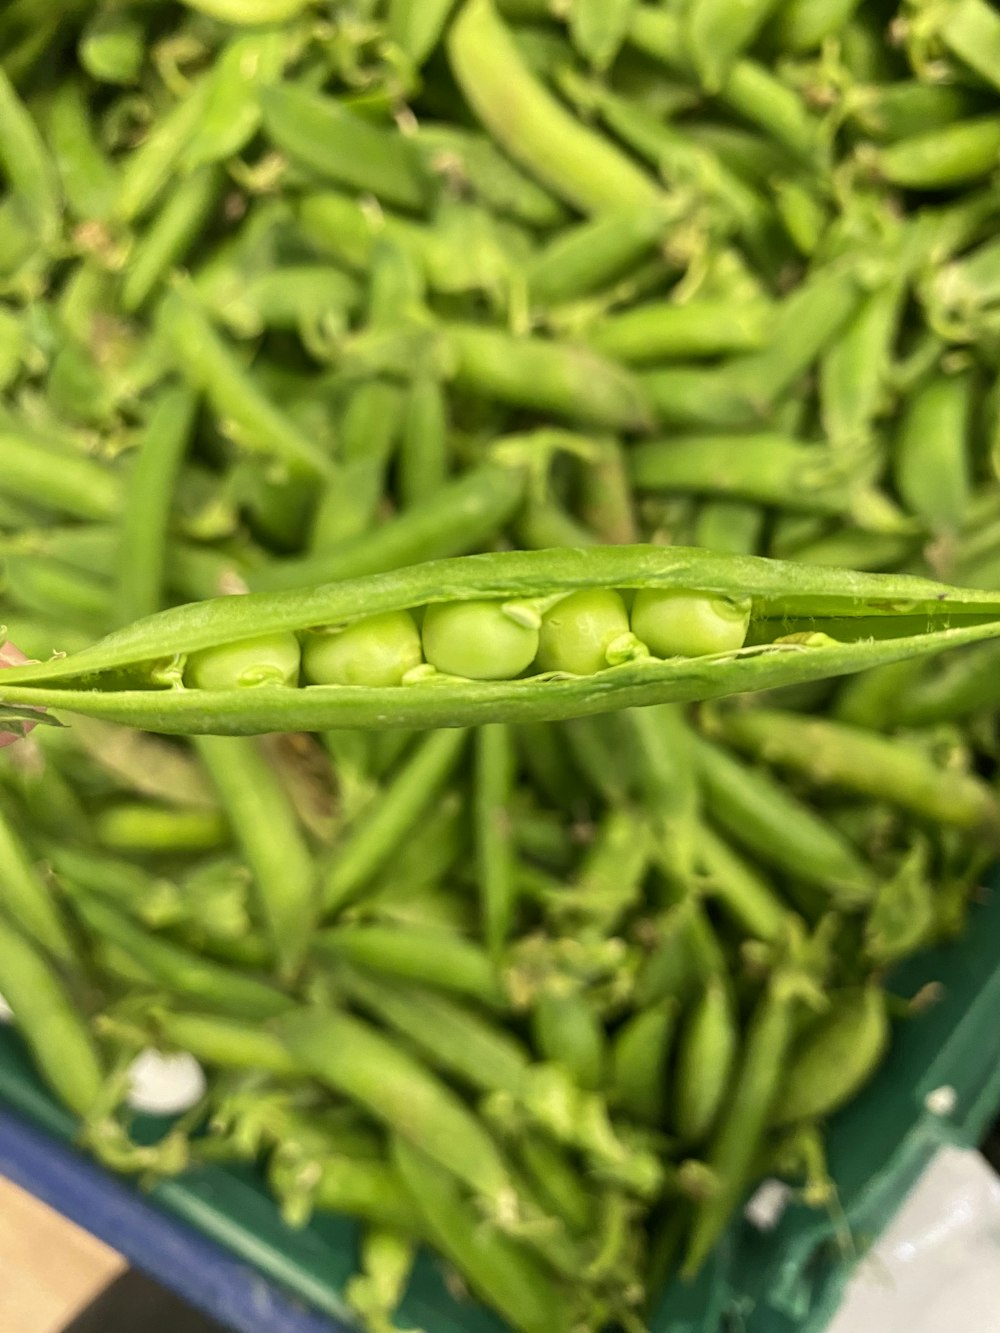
(756, 1087)
(899, 110)
(767, 468)
(26, 899)
(685, 953)
(568, 1032)
(739, 889)
(855, 369)
(456, 1038)
(27, 166)
(932, 460)
(580, 260)
(430, 955)
(50, 1023)
(263, 821)
(556, 1181)
(232, 114)
(351, 1057)
(210, 365)
(472, 162)
(78, 486)
(706, 1055)
(970, 29)
(371, 1190)
(667, 331)
(378, 832)
(495, 1266)
(835, 1057)
(761, 815)
(222, 989)
(960, 153)
(803, 25)
(226, 1043)
(639, 1055)
(969, 684)
(857, 760)
(89, 181)
(570, 381)
(170, 236)
(347, 148)
(572, 160)
(495, 859)
(139, 827)
(717, 33)
(148, 170)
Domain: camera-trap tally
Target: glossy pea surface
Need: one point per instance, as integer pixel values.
(270, 659)
(688, 624)
(379, 650)
(576, 634)
(478, 640)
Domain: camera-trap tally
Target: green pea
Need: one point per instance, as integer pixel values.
(578, 633)
(379, 650)
(673, 623)
(270, 659)
(479, 640)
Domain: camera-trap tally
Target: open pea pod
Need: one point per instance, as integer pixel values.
(142, 675)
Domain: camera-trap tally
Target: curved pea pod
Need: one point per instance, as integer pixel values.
(718, 31)
(707, 1049)
(136, 675)
(227, 1043)
(743, 893)
(835, 1057)
(49, 1022)
(29, 170)
(639, 1055)
(576, 163)
(803, 25)
(664, 330)
(249, 13)
(941, 159)
(760, 814)
(351, 1057)
(685, 953)
(347, 148)
(970, 29)
(568, 1032)
(416, 26)
(905, 911)
(932, 460)
(170, 965)
(496, 1267)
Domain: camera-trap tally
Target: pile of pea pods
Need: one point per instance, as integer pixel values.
(501, 499)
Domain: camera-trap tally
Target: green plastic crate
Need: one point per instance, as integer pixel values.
(787, 1281)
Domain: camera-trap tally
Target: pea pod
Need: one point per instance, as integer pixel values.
(499, 1268)
(836, 1056)
(639, 1056)
(706, 1054)
(573, 161)
(828, 752)
(56, 1034)
(153, 650)
(352, 1058)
